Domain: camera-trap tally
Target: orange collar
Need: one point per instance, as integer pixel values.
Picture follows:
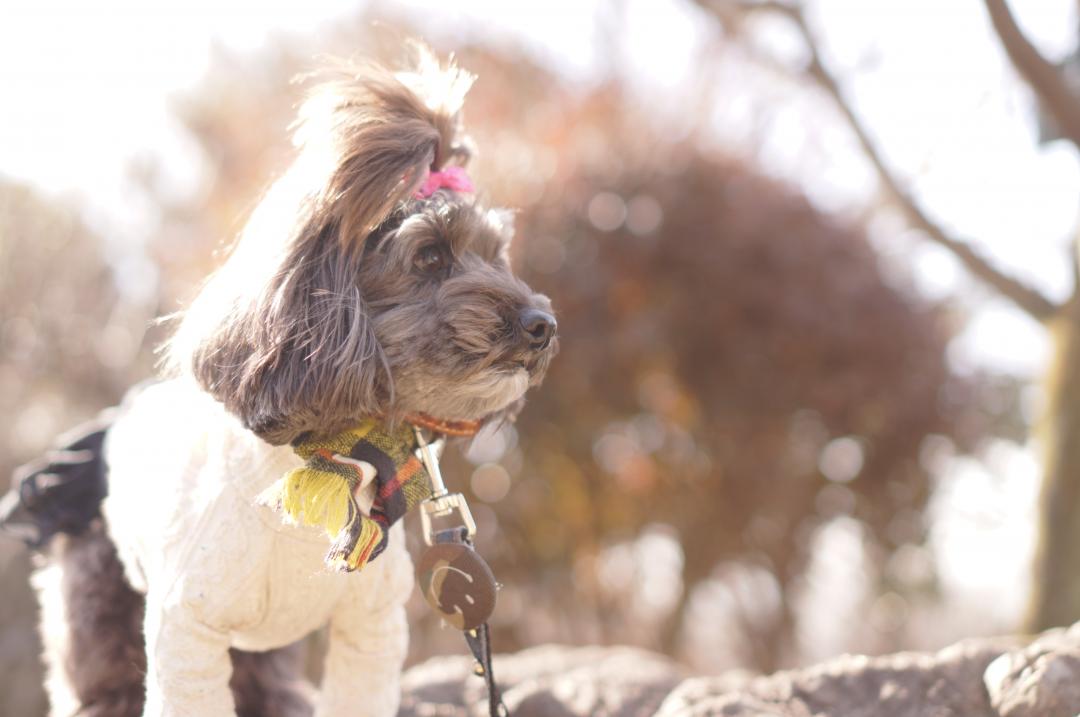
(444, 426)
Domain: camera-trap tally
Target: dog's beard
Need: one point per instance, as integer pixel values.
(471, 397)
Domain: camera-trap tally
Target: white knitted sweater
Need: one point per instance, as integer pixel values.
(221, 571)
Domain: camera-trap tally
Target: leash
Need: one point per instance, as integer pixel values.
(454, 579)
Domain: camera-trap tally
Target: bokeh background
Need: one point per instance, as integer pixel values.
(813, 266)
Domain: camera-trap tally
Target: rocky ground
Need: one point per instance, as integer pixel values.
(999, 677)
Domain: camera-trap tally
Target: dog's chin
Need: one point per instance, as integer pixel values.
(472, 398)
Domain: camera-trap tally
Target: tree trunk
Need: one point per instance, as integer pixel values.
(1056, 586)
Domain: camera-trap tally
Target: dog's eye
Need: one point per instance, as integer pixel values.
(430, 260)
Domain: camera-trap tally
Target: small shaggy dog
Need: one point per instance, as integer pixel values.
(368, 283)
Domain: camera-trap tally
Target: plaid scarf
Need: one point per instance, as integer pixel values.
(322, 492)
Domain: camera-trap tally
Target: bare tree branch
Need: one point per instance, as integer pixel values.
(1045, 79)
(1027, 298)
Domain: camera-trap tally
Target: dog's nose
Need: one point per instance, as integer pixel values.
(539, 327)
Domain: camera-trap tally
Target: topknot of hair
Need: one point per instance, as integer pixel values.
(374, 134)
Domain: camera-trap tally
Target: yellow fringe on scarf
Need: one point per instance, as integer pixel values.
(321, 493)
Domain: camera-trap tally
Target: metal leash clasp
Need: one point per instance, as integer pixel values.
(442, 503)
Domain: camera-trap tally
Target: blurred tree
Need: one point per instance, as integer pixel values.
(1056, 591)
(68, 347)
(734, 365)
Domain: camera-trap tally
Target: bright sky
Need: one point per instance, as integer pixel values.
(85, 87)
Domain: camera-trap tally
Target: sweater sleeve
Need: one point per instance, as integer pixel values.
(369, 638)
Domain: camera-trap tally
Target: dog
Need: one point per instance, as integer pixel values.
(369, 282)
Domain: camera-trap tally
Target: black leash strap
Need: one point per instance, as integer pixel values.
(479, 641)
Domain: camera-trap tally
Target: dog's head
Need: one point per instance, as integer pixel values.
(353, 292)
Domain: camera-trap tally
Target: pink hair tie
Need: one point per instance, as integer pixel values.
(452, 178)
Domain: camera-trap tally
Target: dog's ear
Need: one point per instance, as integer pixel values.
(376, 134)
(281, 334)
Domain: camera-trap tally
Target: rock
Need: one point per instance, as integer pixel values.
(548, 681)
(944, 684)
(994, 677)
(1040, 680)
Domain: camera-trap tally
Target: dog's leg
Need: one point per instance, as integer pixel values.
(269, 684)
(187, 666)
(368, 640)
(91, 624)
